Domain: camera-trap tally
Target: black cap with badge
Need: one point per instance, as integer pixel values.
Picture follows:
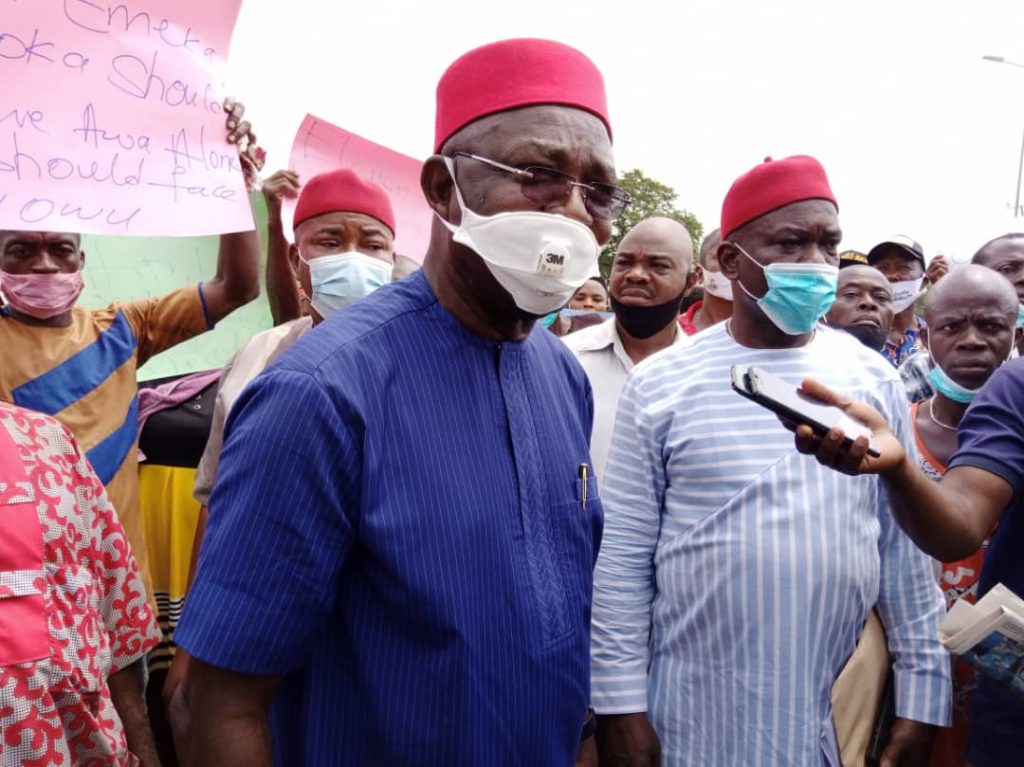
(851, 258)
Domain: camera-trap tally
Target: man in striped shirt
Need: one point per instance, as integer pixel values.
(735, 574)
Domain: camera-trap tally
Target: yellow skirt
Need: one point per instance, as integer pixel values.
(169, 518)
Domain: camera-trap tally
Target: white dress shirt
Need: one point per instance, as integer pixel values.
(599, 350)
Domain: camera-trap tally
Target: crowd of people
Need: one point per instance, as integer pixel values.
(501, 509)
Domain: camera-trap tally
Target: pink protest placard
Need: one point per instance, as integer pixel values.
(320, 146)
(111, 118)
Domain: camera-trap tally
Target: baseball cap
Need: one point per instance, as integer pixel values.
(851, 258)
(911, 247)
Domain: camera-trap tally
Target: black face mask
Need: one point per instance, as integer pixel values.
(645, 321)
(869, 335)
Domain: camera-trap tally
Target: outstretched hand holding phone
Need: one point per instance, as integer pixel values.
(852, 459)
(948, 519)
(795, 407)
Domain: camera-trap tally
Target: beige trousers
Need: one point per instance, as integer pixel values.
(857, 692)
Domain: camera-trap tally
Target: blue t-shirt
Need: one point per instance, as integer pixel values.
(991, 437)
(398, 527)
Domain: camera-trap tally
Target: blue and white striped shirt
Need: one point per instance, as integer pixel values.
(736, 574)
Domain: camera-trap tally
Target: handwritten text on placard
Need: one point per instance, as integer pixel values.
(111, 118)
(320, 146)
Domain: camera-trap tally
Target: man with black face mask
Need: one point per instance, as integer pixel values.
(864, 305)
(651, 273)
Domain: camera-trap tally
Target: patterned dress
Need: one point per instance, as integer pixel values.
(72, 606)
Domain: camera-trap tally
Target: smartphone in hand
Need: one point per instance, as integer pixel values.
(790, 404)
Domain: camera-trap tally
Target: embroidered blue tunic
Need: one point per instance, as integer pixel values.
(398, 526)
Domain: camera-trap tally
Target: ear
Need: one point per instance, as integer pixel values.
(81, 257)
(923, 335)
(692, 280)
(698, 275)
(293, 257)
(437, 185)
(728, 260)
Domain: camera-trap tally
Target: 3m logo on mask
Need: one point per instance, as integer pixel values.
(554, 257)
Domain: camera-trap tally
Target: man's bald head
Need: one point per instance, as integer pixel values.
(971, 284)
(988, 250)
(708, 247)
(653, 264)
(971, 315)
(667, 235)
(1005, 255)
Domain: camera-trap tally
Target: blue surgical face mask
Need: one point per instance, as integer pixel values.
(585, 312)
(947, 387)
(1020, 316)
(798, 294)
(341, 279)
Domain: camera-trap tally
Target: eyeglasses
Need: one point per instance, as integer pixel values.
(546, 185)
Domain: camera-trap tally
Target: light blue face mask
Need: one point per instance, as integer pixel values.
(341, 279)
(798, 294)
(947, 387)
(1020, 316)
(583, 312)
(549, 319)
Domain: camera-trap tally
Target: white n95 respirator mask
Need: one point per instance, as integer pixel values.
(541, 259)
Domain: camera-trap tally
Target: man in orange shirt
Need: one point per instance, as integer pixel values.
(79, 365)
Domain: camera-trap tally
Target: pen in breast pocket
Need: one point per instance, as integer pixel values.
(584, 470)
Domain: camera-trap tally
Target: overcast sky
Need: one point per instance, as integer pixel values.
(918, 134)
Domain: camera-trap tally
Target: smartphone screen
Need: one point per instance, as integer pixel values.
(788, 401)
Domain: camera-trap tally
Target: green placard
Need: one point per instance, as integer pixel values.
(126, 268)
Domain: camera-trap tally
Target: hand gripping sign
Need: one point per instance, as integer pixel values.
(111, 119)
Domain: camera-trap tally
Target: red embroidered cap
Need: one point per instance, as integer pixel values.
(343, 190)
(772, 185)
(516, 73)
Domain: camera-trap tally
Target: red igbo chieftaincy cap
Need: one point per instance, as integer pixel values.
(343, 190)
(772, 185)
(512, 74)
